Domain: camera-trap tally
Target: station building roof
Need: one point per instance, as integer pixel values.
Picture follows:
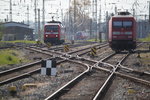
(16, 24)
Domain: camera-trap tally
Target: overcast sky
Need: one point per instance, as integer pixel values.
(53, 6)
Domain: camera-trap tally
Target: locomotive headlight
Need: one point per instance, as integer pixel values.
(46, 36)
(56, 35)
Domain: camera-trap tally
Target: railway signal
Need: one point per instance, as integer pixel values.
(48, 67)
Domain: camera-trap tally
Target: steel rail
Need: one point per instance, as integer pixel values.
(102, 91)
(23, 67)
(144, 82)
(134, 71)
(40, 51)
(19, 77)
(90, 50)
(25, 74)
(62, 54)
(70, 46)
(22, 75)
(70, 84)
(28, 73)
(102, 45)
(3, 73)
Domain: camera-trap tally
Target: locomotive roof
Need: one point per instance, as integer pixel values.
(53, 21)
(52, 24)
(122, 16)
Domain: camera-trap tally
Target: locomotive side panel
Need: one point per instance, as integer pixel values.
(110, 33)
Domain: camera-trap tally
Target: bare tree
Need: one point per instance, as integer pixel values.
(79, 14)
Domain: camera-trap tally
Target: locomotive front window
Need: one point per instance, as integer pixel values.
(122, 24)
(51, 28)
(117, 24)
(127, 24)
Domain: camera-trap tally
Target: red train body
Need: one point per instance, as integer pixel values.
(81, 35)
(54, 33)
(122, 32)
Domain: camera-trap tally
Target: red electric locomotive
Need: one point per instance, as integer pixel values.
(54, 33)
(122, 32)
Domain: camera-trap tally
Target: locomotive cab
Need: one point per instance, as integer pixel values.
(54, 33)
(122, 32)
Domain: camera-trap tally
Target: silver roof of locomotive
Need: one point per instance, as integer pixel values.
(53, 24)
(123, 14)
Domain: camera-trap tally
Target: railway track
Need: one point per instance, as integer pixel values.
(61, 47)
(102, 91)
(14, 74)
(22, 71)
(84, 51)
(111, 67)
(79, 91)
(104, 88)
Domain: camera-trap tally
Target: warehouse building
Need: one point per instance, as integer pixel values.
(17, 31)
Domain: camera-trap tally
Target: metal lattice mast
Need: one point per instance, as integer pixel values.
(28, 14)
(74, 30)
(43, 13)
(43, 23)
(100, 12)
(39, 30)
(69, 19)
(10, 13)
(100, 31)
(149, 10)
(35, 16)
(95, 18)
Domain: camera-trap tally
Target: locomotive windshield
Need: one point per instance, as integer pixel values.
(51, 28)
(127, 24)
(117, 24)
(122, 24)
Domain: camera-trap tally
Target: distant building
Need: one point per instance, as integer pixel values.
(17, 31)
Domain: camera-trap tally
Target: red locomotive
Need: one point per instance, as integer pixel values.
(54, 33)
(81, 35)
(122, 32)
